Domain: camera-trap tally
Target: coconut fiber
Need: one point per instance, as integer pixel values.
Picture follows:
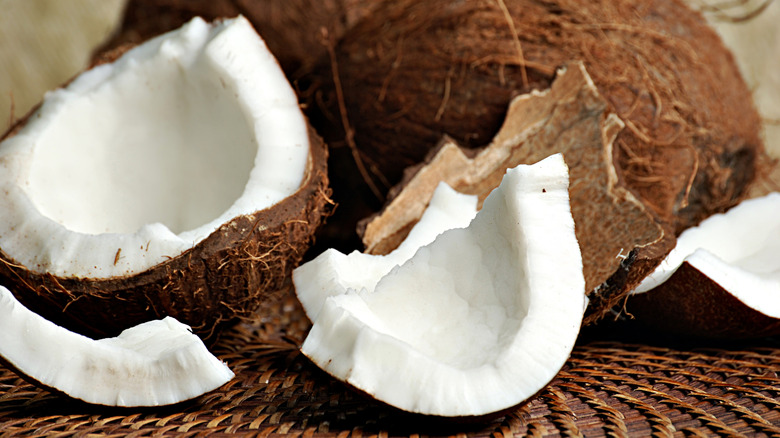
(411, 72)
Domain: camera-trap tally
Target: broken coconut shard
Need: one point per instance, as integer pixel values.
(722, 280)
(156, 363)
(570, 117)
(476, 322)
(181, 179)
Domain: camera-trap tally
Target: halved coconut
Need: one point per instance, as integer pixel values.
(155, 363)
(474, 323)
(181, 179)
(722, 280)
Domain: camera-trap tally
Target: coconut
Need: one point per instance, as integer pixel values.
(459, 322)
(155, 363)
(180, 180)
(721, 281)
(413, 71)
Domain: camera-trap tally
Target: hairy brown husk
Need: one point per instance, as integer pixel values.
(245, 263)
(414, 71)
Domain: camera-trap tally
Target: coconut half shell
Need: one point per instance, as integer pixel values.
(614, 229)
(192, 192)
(412, 71)
(722, 280)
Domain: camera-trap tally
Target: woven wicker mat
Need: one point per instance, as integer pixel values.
(607, 388)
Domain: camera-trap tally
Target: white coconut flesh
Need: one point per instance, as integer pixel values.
(475, 322)
(156, 363)
(138, 160)
(738, 249)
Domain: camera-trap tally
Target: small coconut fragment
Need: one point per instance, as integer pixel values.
(722, 280)
(181, 179)
(570, 117)
(476, 322)
(155, 363)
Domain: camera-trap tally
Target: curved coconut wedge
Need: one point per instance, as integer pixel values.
(182, 179)
(474, 323)
(722, 280)
(155, 363)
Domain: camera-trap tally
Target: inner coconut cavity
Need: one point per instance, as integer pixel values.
(136, 161)
(476, 321)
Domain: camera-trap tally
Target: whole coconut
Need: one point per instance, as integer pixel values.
(411, 72)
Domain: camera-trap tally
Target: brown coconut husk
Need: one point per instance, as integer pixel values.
(411, 72)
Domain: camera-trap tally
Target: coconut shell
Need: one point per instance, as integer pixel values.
(691, 305)
(244, 264)
(411, 72)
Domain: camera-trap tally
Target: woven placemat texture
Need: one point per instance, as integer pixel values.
(607, 388)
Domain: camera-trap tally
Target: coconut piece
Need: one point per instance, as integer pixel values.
(722, 280)
(412, 71)
(570, 117)
(155, 363)
(474, 323)
(181, 179)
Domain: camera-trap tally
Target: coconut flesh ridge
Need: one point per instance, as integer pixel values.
(468, 316)
(737, 249)
(136, 161)
(156, 363)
